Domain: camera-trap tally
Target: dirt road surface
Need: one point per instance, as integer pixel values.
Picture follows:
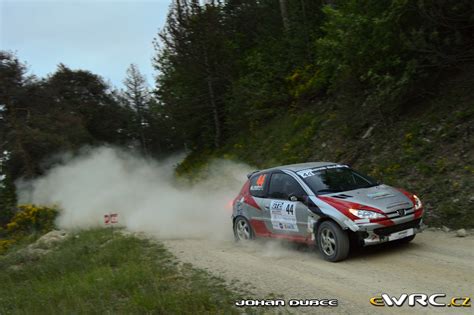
(435, 262)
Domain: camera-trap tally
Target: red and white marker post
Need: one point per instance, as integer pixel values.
(110, 219)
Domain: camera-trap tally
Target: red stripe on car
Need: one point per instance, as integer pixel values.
(248, 199)
(259, 228)
(343, 206)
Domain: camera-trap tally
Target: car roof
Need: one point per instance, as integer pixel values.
(300, 166)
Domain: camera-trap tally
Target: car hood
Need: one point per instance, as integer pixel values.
(382, 197)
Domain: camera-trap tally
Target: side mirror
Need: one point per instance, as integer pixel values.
(297, 198)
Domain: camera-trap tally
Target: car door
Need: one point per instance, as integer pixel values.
(285, 216)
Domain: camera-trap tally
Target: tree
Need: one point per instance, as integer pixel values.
(138, 97)
(12, 144)
(63, 112)
(12, 82)
(195, 67)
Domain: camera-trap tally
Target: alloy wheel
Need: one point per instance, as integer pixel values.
(243, 230)
(328, 242)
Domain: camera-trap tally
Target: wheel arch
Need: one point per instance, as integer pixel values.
(320, 221)
(238, 216)
(328, 218)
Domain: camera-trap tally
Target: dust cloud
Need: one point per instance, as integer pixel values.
(145, 193)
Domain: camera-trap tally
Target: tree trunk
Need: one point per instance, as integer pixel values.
(215, 113)
(212, 101)
(284, 15)
(141, 120)
(306, 32)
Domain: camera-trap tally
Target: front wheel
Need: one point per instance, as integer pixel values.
(333, 242)
(242, 229)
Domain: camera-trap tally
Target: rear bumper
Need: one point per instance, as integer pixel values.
(390, 233)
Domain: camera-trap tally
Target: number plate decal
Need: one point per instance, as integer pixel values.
(401, 234)
(283, 215)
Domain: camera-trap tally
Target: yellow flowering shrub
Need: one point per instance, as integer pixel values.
(5, 244)
(27, 221)
(32, 218)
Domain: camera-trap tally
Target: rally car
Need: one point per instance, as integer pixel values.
(327, 204)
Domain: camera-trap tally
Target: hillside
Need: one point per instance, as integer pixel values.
(427, 149)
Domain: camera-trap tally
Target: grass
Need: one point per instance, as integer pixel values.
(103, 271)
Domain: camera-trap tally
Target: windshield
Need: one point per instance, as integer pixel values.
(335, 179)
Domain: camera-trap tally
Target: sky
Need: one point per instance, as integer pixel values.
(102, 36)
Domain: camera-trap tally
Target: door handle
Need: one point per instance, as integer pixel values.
(267, 207)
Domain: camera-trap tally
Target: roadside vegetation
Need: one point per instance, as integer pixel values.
(101, 271)
(27, 224)
(97, 271)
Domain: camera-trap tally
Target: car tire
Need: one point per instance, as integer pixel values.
(243, 230)
(407, 239)
(333, 242)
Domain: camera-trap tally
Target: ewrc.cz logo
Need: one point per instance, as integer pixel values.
(420, 299)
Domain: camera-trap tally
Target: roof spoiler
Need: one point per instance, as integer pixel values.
(251, 173)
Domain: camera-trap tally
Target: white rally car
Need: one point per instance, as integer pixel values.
(325, 204)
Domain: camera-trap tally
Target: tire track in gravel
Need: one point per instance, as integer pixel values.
(435, 262)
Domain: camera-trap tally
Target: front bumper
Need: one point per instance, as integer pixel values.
(385, 234)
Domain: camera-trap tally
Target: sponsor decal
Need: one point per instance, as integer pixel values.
(291, 303)
(283, 215)
(379, 194)
(261, 180)
(259, 183)
(437, 300)
(312, 171)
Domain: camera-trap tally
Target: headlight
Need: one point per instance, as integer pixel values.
(366, 214)
(418, 203)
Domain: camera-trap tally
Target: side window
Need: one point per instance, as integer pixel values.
(282, 186)
(258, 184)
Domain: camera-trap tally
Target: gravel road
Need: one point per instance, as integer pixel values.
(435, 262)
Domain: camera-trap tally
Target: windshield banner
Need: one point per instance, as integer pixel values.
(312, 171)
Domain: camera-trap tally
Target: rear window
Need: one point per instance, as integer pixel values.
(258, 183)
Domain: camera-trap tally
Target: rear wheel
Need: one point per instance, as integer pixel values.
(243, 230)
(333, 242)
